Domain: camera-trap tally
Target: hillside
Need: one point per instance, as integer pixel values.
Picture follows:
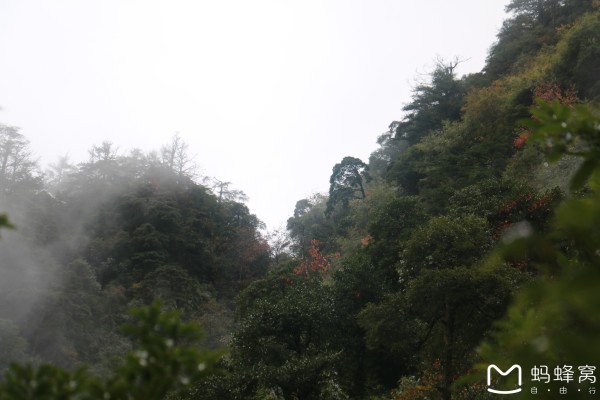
(468, 238)
(95, 239)
(462, 216)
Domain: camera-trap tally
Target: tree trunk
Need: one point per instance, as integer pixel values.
(448, 351)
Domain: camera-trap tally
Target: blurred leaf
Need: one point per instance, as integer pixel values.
(584, 172)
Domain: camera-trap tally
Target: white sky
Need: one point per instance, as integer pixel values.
(268, 94)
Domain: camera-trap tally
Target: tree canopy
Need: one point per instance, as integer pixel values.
(469, 238)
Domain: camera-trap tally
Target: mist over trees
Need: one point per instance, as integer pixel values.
(468, 238)
(92, 240)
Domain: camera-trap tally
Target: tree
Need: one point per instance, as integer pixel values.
(287, 338)
(445, 242)
(163, 361)
(176, 157)
(280, 243)
(390, 147)
(224, 192)
(429, 323)
(437, 100)
(544, 12)
(58, 172)
(308, 223)
(554, 320)
(446, 291)
(347, 182)
(549, 13)
(176, 288)
(102, 165)
(358, 284)
(390, 226)
(16, 164)
(580, 62)
(464, 152)
(505, 203)
(537, 23)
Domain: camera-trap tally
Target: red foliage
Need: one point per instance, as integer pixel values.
(525, 206)
(316, 263)
(550, 91)
(521, 140)
(534, 208)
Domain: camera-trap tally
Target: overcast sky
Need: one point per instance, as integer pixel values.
(268, 94)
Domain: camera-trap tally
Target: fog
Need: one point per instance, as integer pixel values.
(269, 95)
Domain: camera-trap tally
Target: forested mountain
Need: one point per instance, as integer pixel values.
(94, 239)
(403, 269)
(470, 237)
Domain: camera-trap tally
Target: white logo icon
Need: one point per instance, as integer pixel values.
(489, 379)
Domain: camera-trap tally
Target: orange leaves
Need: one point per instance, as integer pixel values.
(521, 140)
(424, 388)
(551, 91)
(316, 263)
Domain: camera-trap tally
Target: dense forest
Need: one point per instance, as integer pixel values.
(470, 237)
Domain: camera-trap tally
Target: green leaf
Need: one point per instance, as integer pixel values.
(584, 172)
